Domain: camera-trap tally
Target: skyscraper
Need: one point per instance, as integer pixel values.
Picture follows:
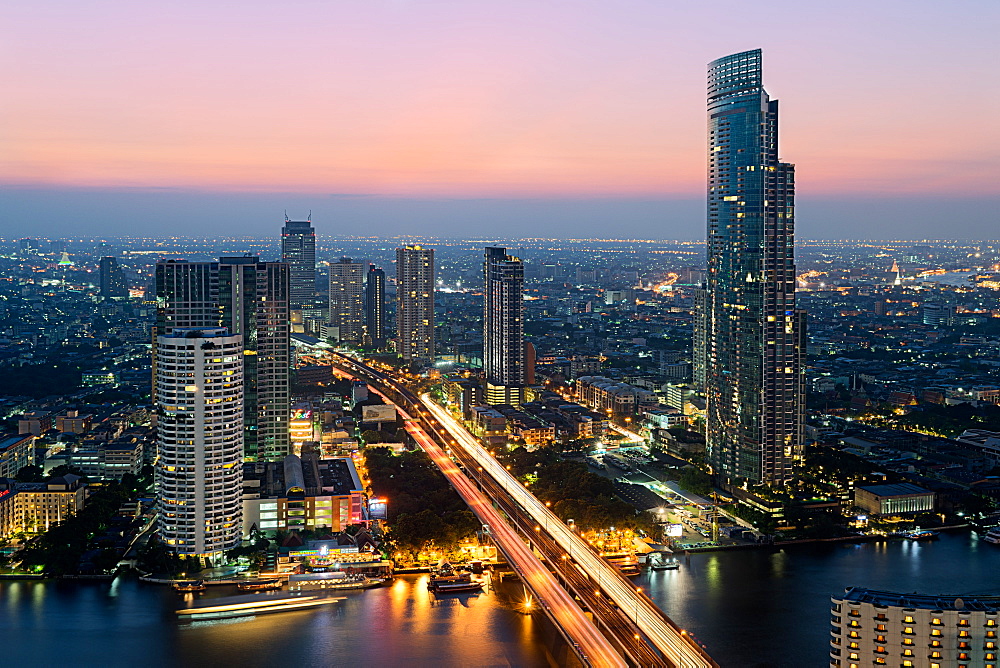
(503, 327)
(113, 282)
(375, 307)
(347, 305)
(199, 472)
(298, 249)
(415, 303)
(753, 338)
(254, 301)
(250, 299)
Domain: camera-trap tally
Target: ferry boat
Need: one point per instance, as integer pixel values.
(332, 580)
(259, 585)
(665, 566)
(453, 584)
(251, 605)
(993, 536)
(921, 535)
(192, 586)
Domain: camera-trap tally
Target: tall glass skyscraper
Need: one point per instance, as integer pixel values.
(298, 249)
(753, 336)
(503, 327)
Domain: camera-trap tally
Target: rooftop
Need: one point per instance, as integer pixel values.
(923, 601)
(895, 489)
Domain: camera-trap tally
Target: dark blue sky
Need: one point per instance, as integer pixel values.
(106, 213)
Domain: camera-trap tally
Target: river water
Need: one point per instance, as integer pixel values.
(751, 608)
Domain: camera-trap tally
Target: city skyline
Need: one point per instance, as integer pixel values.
(494, 120)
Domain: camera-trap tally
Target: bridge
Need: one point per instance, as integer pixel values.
(633, 629)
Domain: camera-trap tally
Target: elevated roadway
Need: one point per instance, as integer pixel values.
(675, 647)
(589, 644)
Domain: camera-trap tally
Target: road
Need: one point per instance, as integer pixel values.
(673, 642)
(677, 647)
(590, 644)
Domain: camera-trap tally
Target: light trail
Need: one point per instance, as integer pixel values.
(590, 644)
(594, 647)
(675, 644)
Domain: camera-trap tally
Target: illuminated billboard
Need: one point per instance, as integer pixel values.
(675, 530)
(377, 509)
(378, 413)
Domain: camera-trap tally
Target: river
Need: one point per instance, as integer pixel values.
(752, 608)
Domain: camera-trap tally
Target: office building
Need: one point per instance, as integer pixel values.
(298, 250)
(375, 307)
(249, 298)
(503, 327)
(753, 340)
(415, 303)
(880, 628)
(199, 472)
(112, 278)
(938, 315)
(347, 300)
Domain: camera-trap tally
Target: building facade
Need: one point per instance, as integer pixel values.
(304, 492)
(375, 307)
(254, 297)
(298, 250)
(503, 327)
(894, 499)
(249, 298)
(347, 300)
(112, 278)
(199, 472)
(753, 337)
(16, 452)
(879, 628)
(415, 303)
(35, 507)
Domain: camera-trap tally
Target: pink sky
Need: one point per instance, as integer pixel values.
(466, 98)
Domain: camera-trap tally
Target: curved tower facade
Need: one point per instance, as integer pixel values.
(753, 335)
(199, 467)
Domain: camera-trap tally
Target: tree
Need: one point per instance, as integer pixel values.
(30, 473)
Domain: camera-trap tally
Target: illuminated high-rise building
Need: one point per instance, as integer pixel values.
(503, 327)
(199, 464)
(753, 339)
(250, 299)
(347, 300)
(254, 301)
(415, 303)
(375, 307)
(298, 249)
(112, 277)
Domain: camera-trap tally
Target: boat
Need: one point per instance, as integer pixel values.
(453, 584)
(993, 536)
(666, 566)
(921, 535)
(333, 580)
(259, 585)
(191, 586)
(252, 605)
